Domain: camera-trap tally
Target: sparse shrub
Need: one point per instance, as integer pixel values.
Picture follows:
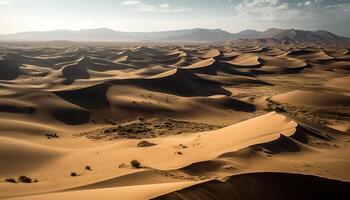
(24, 179)
(252, 98)
(87, 167)
(145, 144)
(11, 180)
(279, 108)
(140, 118)
(51, 135)
(122, 165)
(73, 174)
(114, 130)
(135, 164)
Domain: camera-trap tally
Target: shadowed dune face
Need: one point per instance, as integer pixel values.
(198, 121)
(9, 69)
(13, 106)
(32, 155)
(72, 117)
(93, 97)
(264, 186)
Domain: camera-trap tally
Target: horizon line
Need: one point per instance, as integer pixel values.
(169, 30)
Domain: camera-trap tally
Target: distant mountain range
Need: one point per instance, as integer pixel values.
(186, 35)
(295, 36)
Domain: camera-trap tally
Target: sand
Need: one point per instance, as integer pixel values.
(203, 121)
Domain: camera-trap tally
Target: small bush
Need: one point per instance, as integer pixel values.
(11, 180)
(51, 135)
(24, 179)
(113, 130)
(145, 144)
(122, 165)
(141, 119)
(135, 164)
(106, 131)
(87, 167)
(73, 174)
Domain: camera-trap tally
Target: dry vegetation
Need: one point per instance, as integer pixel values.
(144, 129)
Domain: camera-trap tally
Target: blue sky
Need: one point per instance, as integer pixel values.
(157, 15)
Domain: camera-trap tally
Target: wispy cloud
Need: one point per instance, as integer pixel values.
(264, 9)
(130, 2)
(164, 7)
(279, 10)
(5, 2)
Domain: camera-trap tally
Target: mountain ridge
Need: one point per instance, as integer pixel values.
(183, 35)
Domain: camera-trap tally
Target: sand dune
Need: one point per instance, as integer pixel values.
(30, 152)
(213, 67)
(341, 82)
(282, 65)
(243, 120)
(246, 60)
(263, 186)
(309, 98)
(181, 82)
(226, 79)
(310, 54)
(201, 148)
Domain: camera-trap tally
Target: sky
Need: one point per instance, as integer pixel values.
(160, 15)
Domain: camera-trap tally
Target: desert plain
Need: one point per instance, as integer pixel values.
(246, 120)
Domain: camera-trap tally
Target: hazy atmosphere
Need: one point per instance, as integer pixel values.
(160, 15)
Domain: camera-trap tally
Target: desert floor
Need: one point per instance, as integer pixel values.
(225, 121)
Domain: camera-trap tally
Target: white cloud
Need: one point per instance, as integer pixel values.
(131, 2)
(5, 2)
(146, 8)
(263, 9)
(164, 7)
